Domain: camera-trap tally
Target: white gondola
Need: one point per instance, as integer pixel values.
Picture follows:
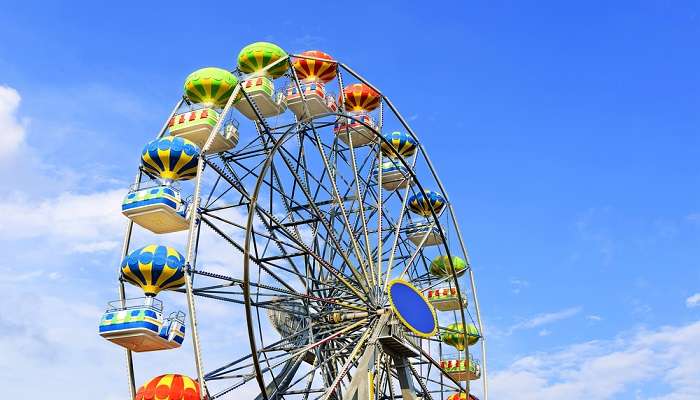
(197, 125)
(417, 231)
(394, 175)
(362, 133)
(141, 327)
(318, 100)
(261, 90)
(159, 209)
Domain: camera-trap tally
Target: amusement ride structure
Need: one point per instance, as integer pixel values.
(339, 252)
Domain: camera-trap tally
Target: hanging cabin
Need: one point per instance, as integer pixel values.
(361, 135)
(416, 231)
(159, 209)
(196, 126)
(318, 101)
(142, 327)
(261, 90)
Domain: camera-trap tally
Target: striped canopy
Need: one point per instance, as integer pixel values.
(422, 202)
(315, 70)
(462, 396)
(169, 387)
(254, 57)
(400, 144)
(210, 86)
(360, 97)
(442, 267)
(171, 158)
(154, 268)
(456, 336)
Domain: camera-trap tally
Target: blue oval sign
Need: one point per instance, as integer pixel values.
(412, 308)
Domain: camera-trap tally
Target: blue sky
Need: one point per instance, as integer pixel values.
(566, 134)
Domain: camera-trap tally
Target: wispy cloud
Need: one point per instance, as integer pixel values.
(88, 222)
(12, 129)
(693, 217)
(517, 285)
(95, 247)
(693, 301)
(603, 370)
(545, 319)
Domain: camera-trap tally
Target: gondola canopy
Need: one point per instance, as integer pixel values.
(323, 68)
(255, 57)
(154, 268)
(210, 86)
(171, 158)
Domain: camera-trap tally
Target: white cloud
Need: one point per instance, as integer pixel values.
(517, 285)
(601, 370)
(12, 130)
(8, 275)
(82, 222)
(693, 217)
(95, 247)
(544, 319)
(55, 302)
(50, 337)
(544, 332)
(693, 301)
(594, 317)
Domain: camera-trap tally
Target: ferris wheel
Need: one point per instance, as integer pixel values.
(346, 266)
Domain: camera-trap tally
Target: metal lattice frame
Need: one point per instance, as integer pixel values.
(320, 242)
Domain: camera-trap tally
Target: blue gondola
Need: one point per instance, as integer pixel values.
(394, 175)
(418, 230)
(159, 209)
(141, 327)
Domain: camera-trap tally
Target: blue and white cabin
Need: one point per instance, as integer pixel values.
(142, 327)
(394, 175)
(418, 230)
(361, 134)
(159, 209)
